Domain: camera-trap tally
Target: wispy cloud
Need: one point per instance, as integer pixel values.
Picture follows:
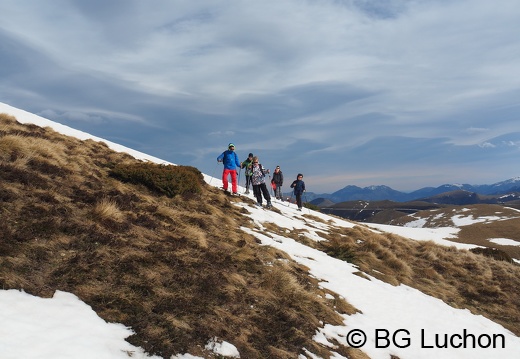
(302, 83)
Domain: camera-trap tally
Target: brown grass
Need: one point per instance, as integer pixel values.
(477, 233)
(177, 270)
(480, 233)
(107, 209)
(460, 278)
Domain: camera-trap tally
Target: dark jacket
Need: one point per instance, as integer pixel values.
(277, 178)
(299, 187)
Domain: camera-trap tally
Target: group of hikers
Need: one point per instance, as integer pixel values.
(255, 176)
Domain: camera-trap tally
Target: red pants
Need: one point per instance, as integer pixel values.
(233, 174)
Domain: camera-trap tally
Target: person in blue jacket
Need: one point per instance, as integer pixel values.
(299, 188)
(230, 160)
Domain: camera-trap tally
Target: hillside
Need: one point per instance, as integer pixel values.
(180, 262)
(164, 266)
(374, 211)
(487, 225)
(390, 211)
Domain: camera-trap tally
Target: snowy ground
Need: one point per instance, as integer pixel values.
(397, 321)
(460, 217)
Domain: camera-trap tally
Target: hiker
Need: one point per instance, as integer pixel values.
(248, 165)
(258, 181)
(277, 182)
(299, 188)
(230, 160)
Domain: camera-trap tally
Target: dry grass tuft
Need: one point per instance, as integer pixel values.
(107, 209)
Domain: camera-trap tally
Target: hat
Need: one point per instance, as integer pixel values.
(277, 166)
(250, 155)
(299, 175)
(231, 145)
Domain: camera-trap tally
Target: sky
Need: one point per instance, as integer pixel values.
(403, 93)
(65, 327)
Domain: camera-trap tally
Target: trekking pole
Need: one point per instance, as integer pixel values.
(239, 173)
(305, 196)
(271, 185)
(288, 204)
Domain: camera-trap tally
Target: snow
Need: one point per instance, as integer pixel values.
(460, 220)
(440, 235)
(418, 223)
(222, 348)
(58, 327)
(504, 241)
(394, 320)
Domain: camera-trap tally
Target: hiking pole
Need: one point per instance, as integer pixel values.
(306, 201)
(288, 204)
(271, 185)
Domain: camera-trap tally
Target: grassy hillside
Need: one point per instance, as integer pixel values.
(155, 248)
(171, 264)
(491, 221)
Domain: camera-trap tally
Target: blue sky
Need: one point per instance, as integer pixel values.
(348, 92)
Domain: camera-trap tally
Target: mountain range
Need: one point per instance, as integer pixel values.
(382, 192)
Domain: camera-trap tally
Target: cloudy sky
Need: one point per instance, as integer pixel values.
(405, 93)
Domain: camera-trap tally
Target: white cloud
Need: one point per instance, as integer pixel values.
(276, 74)
(487, 145)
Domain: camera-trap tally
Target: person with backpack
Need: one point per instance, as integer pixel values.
(299, 189)
(258, 181)
(277, 182)
(230, 160)
(248, 165)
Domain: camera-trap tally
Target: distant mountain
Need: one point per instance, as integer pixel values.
(457, 197)
(380, 193)
(372, 193)
(434, 191)
(512, 184)
(387, 211)
(322, 202)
